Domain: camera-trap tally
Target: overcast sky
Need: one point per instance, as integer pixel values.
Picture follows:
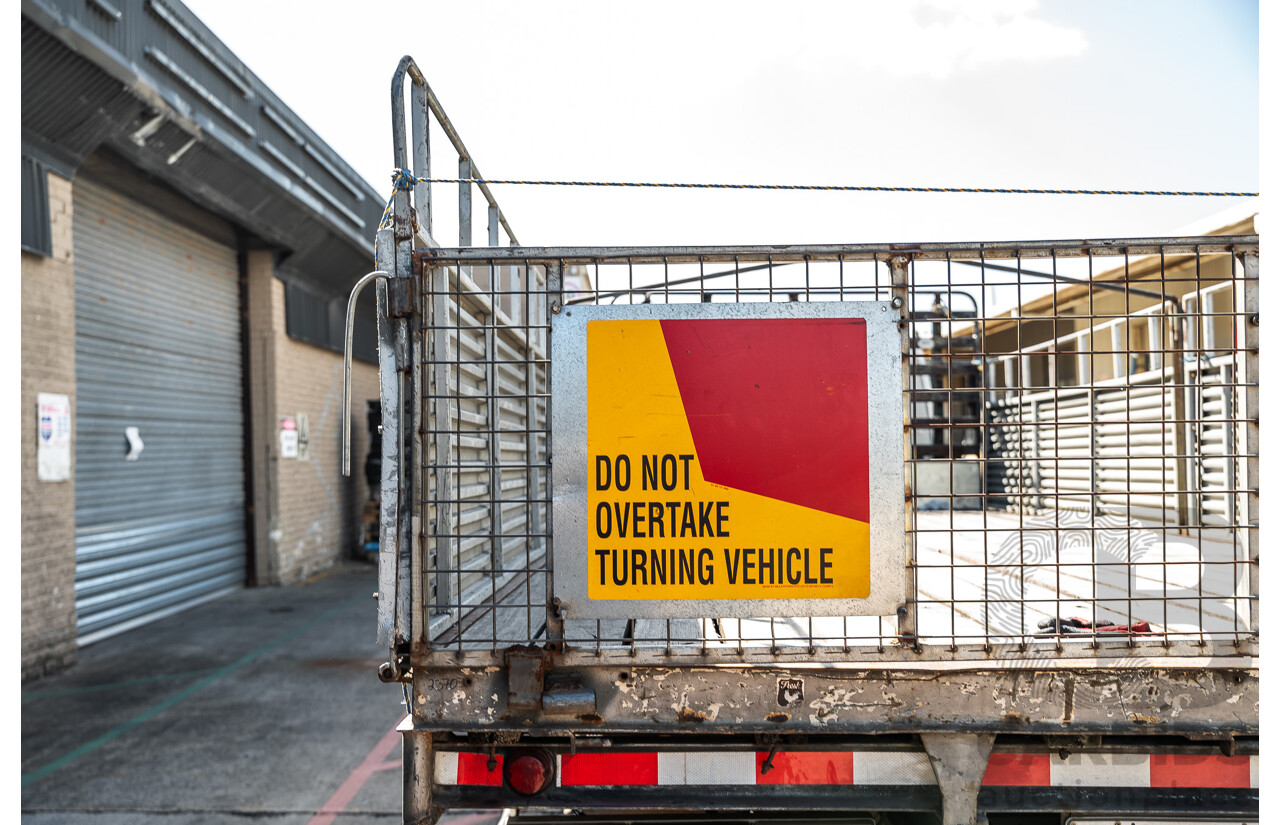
(1159, 94)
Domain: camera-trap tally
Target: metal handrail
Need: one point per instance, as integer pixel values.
(424, 100)
(346, 366)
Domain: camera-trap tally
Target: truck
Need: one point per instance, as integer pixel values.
(894, 533)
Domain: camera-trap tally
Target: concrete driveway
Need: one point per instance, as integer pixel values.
(261, 705)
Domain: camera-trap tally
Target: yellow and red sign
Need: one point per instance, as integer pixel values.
(727, 459)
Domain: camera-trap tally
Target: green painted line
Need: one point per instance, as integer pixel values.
(185, 693)
(162, 677)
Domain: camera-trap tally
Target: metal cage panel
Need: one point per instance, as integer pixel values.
(1081, 447)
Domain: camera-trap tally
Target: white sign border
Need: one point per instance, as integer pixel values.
(570, 464)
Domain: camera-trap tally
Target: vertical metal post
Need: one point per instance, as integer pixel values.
(418, 765)
(1246, 342)
(493, 414)
(464, 202)
(555, 285)
(441, 426)
(389, 484)
(407, 438)
(1181, 443)
(493, 273)
(1035, 499)
(415, 604)
(1095, 451)
(421, 142)
(900, 291)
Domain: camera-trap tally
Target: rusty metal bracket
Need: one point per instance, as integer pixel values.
(402, 297)
(526, 670)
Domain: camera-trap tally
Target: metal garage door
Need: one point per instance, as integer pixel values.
(157, 348)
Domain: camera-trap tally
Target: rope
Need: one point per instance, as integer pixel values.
(400, 179)
(404, 179)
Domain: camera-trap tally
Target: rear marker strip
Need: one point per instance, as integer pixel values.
(704, 768)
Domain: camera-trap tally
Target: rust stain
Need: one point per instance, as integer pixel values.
(778, 718)
(1069, 701)
(591, 718)
(695, 717)
(1140, 719)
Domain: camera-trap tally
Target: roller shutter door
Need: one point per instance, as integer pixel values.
(157, 348)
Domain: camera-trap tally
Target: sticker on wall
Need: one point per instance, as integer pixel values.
(53, 436)
(288, 437)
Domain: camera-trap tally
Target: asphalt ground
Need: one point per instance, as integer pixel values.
(264, 705)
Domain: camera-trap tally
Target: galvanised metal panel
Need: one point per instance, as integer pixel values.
(157, 348)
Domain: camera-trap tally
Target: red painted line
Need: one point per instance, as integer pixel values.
(609, 769)
(1177, 770)
(374, 762)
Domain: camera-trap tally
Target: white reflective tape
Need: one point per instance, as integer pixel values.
(1104, 770)
(892, 768)
(1253, 771)
(720, 768)
(559, 768)
(446, 768)
(670, 768)
(703, 768)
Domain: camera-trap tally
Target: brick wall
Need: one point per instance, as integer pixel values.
(48, 508)
(307, 516)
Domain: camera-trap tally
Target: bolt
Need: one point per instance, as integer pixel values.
(555, 309)
(896, 303)
(375, 594)
(1253, 319)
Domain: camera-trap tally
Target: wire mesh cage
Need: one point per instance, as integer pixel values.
(1080, 445)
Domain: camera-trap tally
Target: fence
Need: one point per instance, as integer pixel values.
(1079, 446)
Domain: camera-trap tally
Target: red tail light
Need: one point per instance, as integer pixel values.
(528, 772)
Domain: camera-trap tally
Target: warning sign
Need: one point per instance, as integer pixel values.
(727, 459)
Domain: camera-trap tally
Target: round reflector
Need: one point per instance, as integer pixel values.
(528, 772)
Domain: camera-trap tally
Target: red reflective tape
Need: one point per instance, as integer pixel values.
(805, 768)
(473, 769)
(1017, 769)
(609, 769)
(1178, 770)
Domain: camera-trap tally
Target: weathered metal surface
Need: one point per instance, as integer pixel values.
(526, 669)
(1220, 702)
(570, 517)
(418, 751)
(959, 760)
(389, 483)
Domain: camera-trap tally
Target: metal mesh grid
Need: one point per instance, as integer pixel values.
(1081, 449)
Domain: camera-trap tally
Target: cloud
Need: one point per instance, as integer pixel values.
(929, 38)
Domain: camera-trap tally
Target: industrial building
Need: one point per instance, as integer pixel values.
(187, 248)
